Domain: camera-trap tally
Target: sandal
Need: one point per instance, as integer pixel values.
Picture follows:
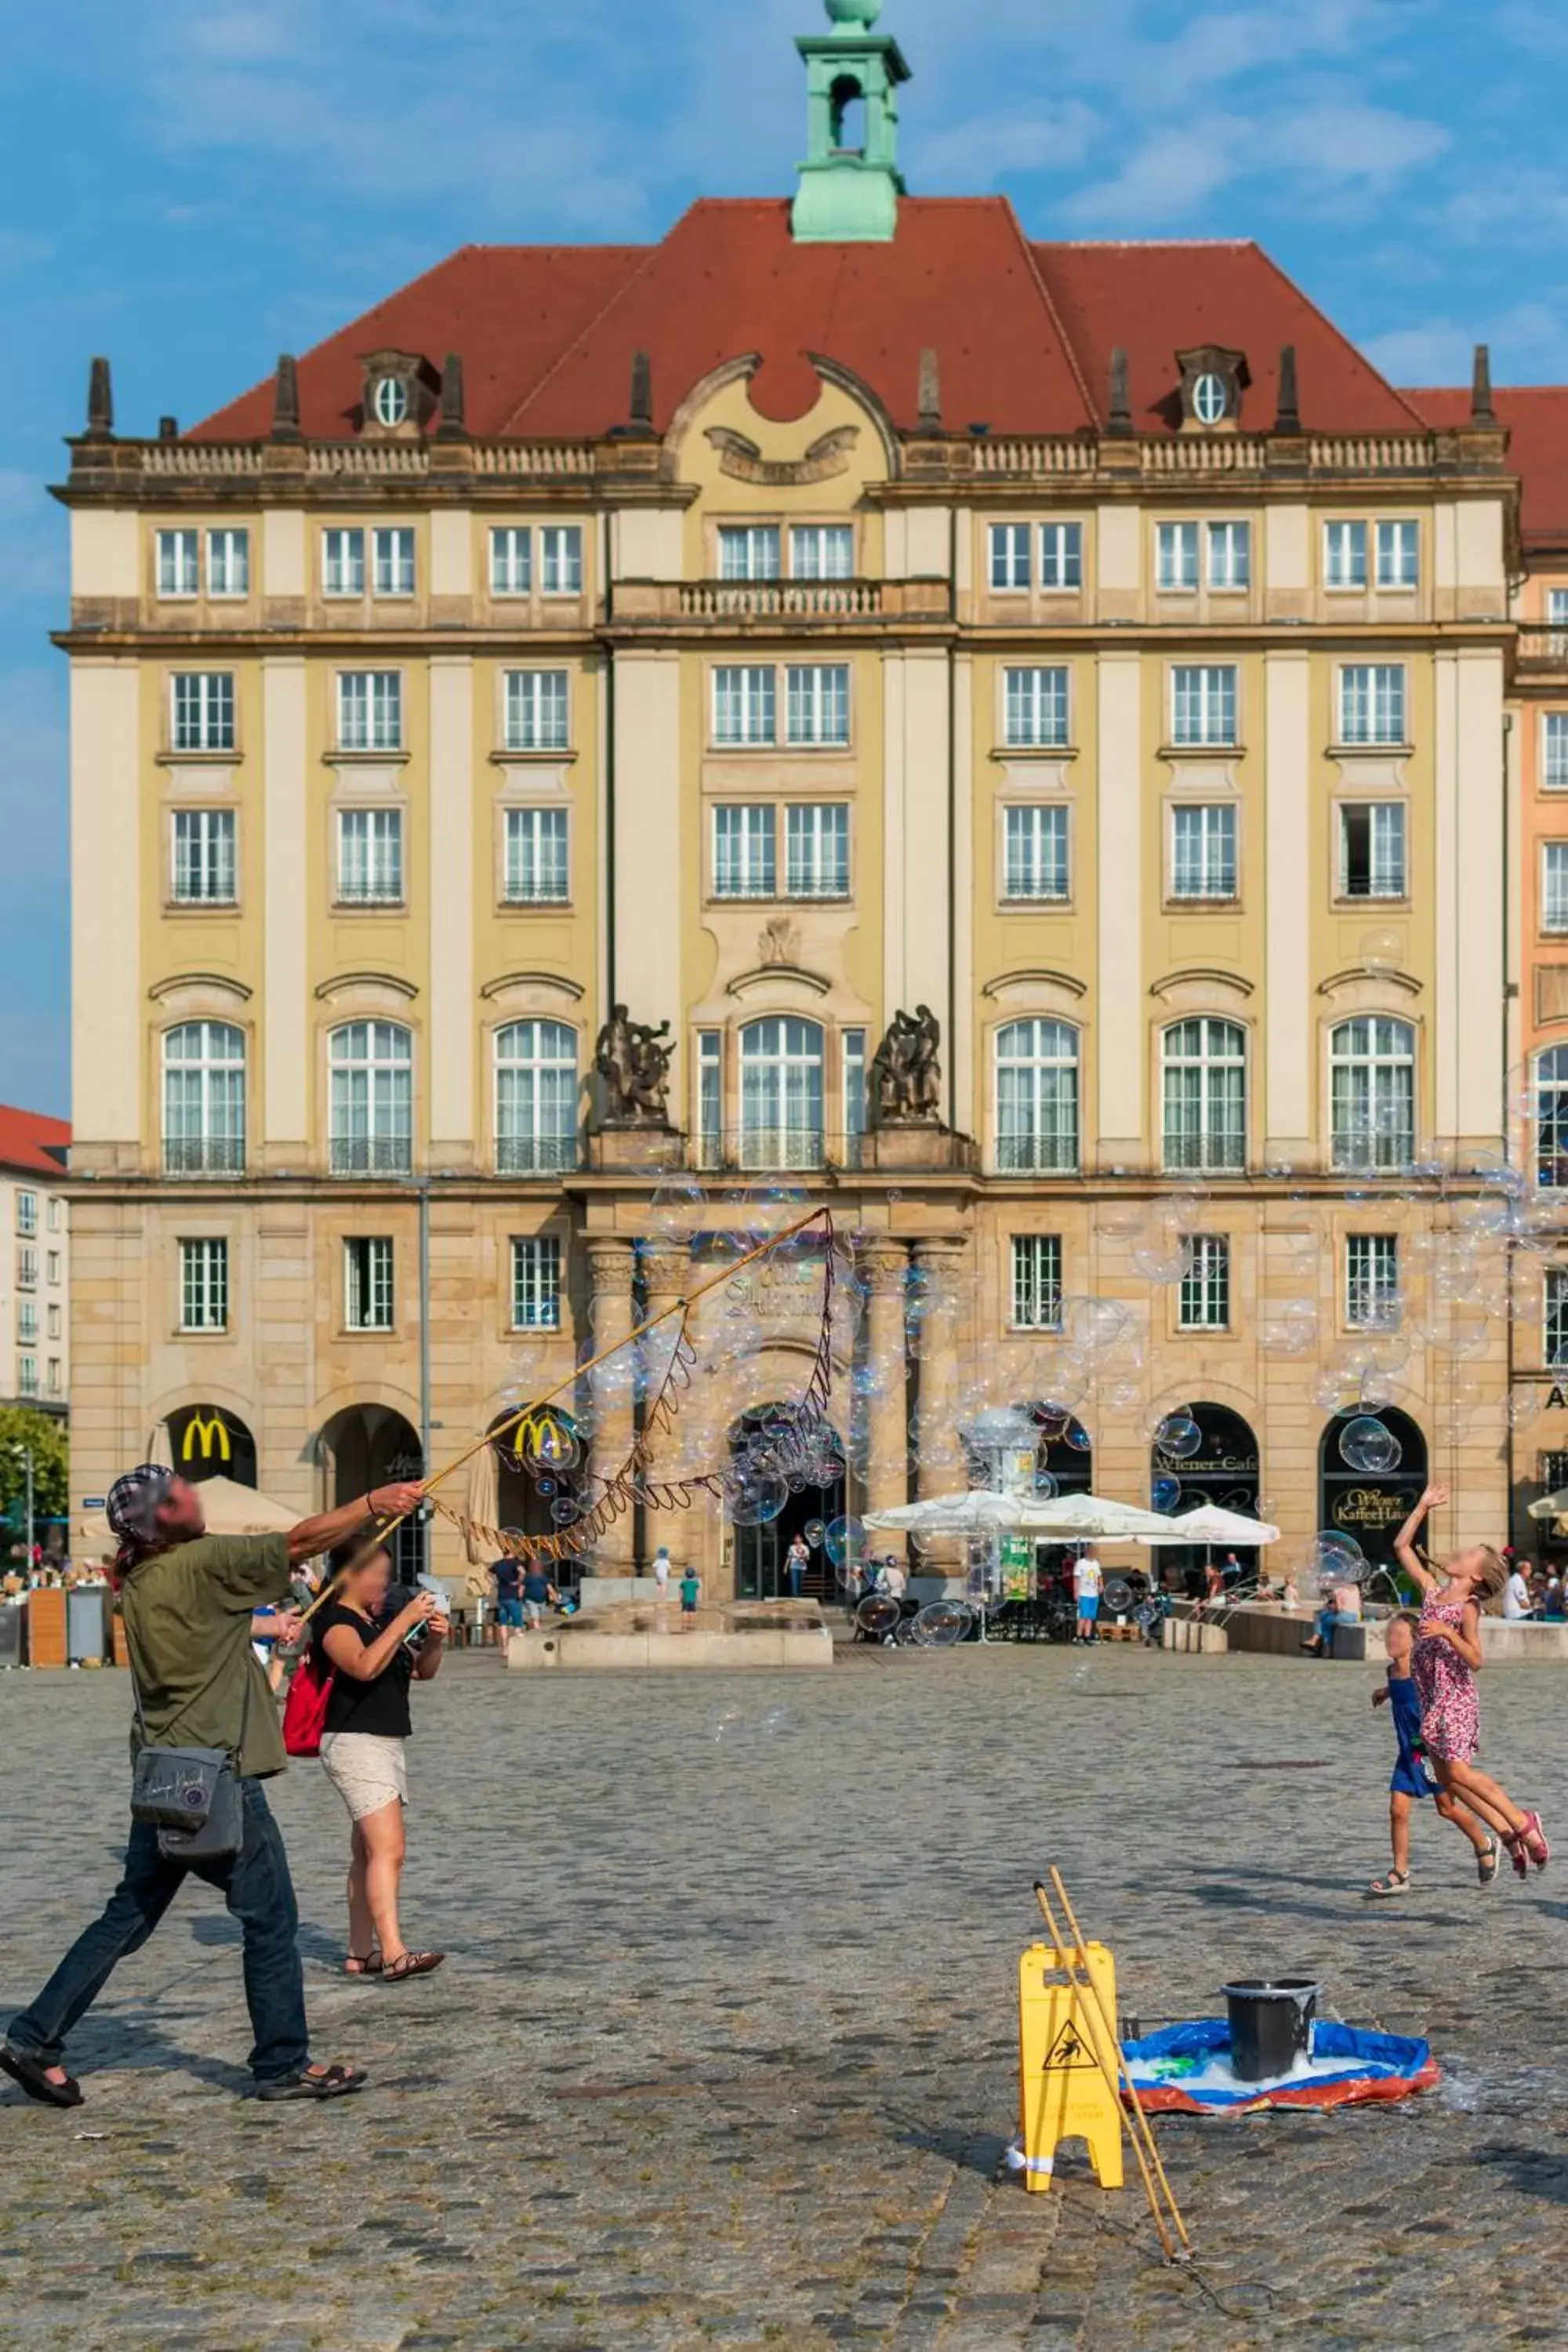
(411, 1964)
(28, 2073)
(1487, 1862)
(314, 2083)
(1396, 1883)
(1533, 1838)
(363, 1964)
(1514, 1844)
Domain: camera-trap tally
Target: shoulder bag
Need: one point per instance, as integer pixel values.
(190, 1795)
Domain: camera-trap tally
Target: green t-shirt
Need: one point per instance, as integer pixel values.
(187, 1629)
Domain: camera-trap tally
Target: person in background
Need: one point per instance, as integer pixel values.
(661, 1574)
(508, 1575)
(1087, 1584)
(1554, 1607)
(538, 1595)
(1342, 1606)
(1289, 1594)
(1230, 1570)
(1517, 1599)
(895, 1577)
(690, 1594)
(797, 1559)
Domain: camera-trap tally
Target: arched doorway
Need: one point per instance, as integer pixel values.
(539, 1485)
(1063, 1465)
(1371, 1504)
(207, 1441)
(368, 1446)
(1221, 1472)
(760, 1551)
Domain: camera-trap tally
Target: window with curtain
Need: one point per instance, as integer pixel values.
(1037, 707)
(370, 857)
(1203, 1071)
(1037, 1096)
(816, 847)
(1036, 851)
(1202, 850)
(1202, 703)
(822, 551)
(538, 863)
(1549, 1093)
(538, 717)
(781, 1093)
(371, 1105)
(1371, 1085)
(536, 1097)
(749, 551)
(744, 861)
(204, 864)
(204, 1099)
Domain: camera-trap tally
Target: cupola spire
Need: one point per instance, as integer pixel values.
(850, 183)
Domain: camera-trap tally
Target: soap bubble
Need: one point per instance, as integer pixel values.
(756, 1496)
(843, 1539)
(1178, 1436)
(814, 1534)
(676, 1208)
(1045, 1485)
(1078, 1438)
(1381, 951)
(1161, 1252)
(941, 1623)
(878, 1615)
(1340, 1556)
(1366, 1443)
(1093, 1325)
(1165, 1493)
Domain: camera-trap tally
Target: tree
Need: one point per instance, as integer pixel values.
(51, 1464)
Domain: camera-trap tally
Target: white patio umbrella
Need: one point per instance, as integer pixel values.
(1550, 1507)
(1209, 1525)
(1071, 1518)
(978, 1512)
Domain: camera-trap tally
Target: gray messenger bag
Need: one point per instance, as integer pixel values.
(191, 1796)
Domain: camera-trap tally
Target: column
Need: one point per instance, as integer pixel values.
(887, 1402)
(449, 1039)
(648, 838)
(1119, 1013)
(941, 1466)
(286, 1058)
(610, 1265)
(666, 1279)
(1289, 1059)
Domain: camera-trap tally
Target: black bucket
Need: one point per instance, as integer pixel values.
(1270, 2026)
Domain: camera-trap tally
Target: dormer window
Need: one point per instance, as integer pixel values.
(1210, 400)
(398, 394)
(1213, 382)
(389, 400)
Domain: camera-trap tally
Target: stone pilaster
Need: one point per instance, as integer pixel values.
(610, 1269)
(667, 1278)
(886, 1408)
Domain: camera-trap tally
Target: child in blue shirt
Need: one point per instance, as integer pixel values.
(1411, 1781)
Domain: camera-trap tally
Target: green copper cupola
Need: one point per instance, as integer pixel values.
(850, 183)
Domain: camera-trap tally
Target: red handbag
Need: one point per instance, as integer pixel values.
(305, 1708)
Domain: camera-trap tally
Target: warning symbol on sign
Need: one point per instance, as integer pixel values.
(1068, 2050)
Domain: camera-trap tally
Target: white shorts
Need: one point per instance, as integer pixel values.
(367, 1770)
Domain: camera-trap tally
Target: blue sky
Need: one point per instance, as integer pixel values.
(192, 185)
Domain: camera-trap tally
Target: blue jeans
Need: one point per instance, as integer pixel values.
(260, 1893)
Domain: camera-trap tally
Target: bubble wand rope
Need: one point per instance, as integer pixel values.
(681, 1307)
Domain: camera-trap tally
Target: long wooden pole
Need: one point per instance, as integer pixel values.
(1141, 2121)
(579, 1371)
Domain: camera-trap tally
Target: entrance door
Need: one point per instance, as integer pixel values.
(1222, 1473)
(761, 1552)
(370, 1445)
(1372, 1506)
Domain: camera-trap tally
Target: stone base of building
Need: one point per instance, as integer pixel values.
(579, 1649)
(916, 1147)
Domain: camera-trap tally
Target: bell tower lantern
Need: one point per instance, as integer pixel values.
(850, 183)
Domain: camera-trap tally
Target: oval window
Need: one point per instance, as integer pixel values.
(1209, 399)
(389, 400)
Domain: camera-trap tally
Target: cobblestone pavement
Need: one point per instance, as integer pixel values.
(724, 2052)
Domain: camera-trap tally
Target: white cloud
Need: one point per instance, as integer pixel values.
(986, 147)
(1168, 178)
(1437, 352)
(1348, 142)
(1529, 344)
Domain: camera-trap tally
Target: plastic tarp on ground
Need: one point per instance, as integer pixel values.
(1372, 2066)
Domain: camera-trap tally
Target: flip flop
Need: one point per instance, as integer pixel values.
(363, 1964)
(27, 2072)
(411, 1964)
(331, 2083)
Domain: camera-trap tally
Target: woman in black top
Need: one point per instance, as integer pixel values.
(363, 1744)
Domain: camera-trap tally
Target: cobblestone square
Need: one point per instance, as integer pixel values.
(724, 2050)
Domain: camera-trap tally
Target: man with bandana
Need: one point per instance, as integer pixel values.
(187, 1599)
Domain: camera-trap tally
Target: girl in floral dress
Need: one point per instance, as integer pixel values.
(1444, 1662)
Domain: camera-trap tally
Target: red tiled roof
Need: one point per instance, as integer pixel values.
(1022, 332)
(1536, 415)
(27, 1138)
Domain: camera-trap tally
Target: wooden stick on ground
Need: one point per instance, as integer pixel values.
(1141, 2121)
(1070, 1966)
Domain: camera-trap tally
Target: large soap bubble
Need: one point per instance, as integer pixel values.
(1340, 1558)
(1367, 1443)
(843, 1539)
(1178, 1436)
(1165, 1493)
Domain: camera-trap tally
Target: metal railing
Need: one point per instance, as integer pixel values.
(371, 1155)
(774, 1150)
(1543, 644)
(537, 1155)
(203, 1155)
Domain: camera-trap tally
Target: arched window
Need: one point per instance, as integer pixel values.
(204, 1099)
(1550, 1109)
(1037, 1096)
(1372, 1070)
(1204, 1080)
(847, 103)
(536, 1097)
(781, 1093)
(372, 1111)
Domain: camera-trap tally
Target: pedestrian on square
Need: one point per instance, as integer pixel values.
(661, 1575)
(371, 1658)
(1517, 1600)
(895, 1577)
(1411, 1781)
(1445, 1660)
(797, 1559)
(538, 1595)
(1087, 1584)
(508, 1575)
(186, 1598)
(690, 1594)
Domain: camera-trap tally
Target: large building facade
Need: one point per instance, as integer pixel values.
(836, 611)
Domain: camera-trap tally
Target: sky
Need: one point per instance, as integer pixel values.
(193, 186)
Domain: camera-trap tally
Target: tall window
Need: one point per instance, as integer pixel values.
(781, 1093)
(204, 861)
(1061, 555)
(710, 1097)
(1202, 704)
(1551, 1106)
(1203, 1301)
(1372, 849)
(1037, 707)
(852, 1048)
(817, 703)
(1555, 886)
(203, 710)
(1557, 615)
(203, 1286)
(536, 1283)
(536, 1097)
(749, 551)
(511, 559)
(1554, 748)
(560, 560)
(371, 1113)
(537, 710)
(369, 710)
(391, 554)
(816, 849)
(1555, 1317)
(1037, 1096)
(744, 709)
(370, 857)
(343, 562)
(27, 1212)
(1036, 1282)
(1204, 1083)
(744, 866)
(1229, 554)
(1371, 1280)
(1036, 839)
(26, 1268)
(1009, 555)
(1344, 555)
(538, 869)
(1398, 556)
(822, 551)
(26, 1319)
(1202, 851)
(1372, 1069)
(204, 1099)
(367, 1283)
(1176, 555)
(228, 562)
(27, 1375)
(177, 571)
(1371, 703)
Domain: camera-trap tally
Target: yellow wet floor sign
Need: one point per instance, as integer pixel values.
(1066, 2093)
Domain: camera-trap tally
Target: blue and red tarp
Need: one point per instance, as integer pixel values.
(1375, 2066)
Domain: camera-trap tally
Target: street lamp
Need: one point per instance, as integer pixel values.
(25, 1455)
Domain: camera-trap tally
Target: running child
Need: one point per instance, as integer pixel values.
(1410, 1781)
(1444, 1662)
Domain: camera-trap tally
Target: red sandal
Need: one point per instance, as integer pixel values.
(1533, 1838)
(1514, 1843)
